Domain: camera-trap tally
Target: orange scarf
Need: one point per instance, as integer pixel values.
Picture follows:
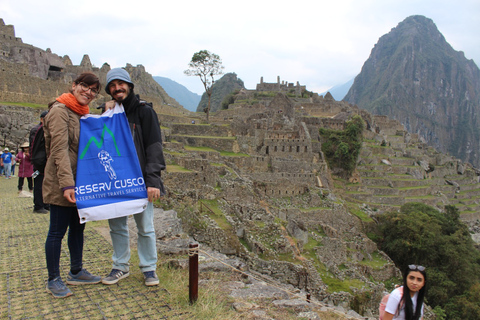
(72, 103)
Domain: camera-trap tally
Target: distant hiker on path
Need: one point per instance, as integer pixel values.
(62, 132)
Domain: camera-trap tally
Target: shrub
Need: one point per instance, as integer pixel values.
(341, 148)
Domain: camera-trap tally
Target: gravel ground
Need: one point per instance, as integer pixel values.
(23, 271)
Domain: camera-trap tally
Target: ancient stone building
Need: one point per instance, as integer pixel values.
(281, 87)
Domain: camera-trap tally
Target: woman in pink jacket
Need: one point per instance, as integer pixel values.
(25, 167)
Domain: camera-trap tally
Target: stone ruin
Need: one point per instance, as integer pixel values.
(281, 87)
(263, 164)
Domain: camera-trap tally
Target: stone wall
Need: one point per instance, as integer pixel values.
(298, 148)
(201, 130)
(15, 125)
(387, 126)
(220, 144)
(282, 188)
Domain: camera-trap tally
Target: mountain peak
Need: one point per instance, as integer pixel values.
(414, 76)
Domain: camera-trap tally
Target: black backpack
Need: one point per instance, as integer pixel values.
(38, 152)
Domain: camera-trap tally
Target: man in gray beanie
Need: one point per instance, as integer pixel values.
(147, 138)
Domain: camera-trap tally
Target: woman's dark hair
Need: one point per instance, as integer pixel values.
(407, 301)
(89, 79)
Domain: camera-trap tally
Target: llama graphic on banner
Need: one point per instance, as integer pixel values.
(109, 181)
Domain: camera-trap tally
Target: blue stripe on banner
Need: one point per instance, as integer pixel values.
(108, 171)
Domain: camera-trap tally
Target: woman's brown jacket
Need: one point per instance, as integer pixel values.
(62, 133)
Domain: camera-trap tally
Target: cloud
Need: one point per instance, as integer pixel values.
(320, 44)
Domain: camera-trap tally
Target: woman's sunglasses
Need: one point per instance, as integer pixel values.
(415, 267)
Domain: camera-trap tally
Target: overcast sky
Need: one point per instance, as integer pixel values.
(318, 43)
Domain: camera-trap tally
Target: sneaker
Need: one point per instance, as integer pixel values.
(43, 211)
(58, 289)
(151, 278)
(83, 277)
(115, 276)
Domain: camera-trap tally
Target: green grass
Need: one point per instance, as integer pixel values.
(177, 168)
(334, 284)
(216, 214)
(476, 191)
(420, 197)
(233, 154)
(354, 209)
(309, 247)
(206, 137)
(206, 149)
(212, 303)
(173, 153)
(222, 153)
(25, 104)
(377, 261)
(414, 188)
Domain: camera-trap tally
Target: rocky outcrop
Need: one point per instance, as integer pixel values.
(220, 89)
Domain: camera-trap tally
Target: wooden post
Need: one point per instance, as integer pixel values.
(193, 272)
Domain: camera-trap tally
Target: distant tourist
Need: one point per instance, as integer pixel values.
(14, 162)
(406, 302)
(38, 205)
(25, 167)
(7, 159)
(62, 131)
(148, 143)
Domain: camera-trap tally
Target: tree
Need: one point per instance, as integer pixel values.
(420, 234)
(341, 148)
(206, 65)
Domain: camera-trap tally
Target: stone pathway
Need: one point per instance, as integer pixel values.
(23, 272)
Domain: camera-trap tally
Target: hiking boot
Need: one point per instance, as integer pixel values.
(58, 289)
(115, 276)
(151, 278)
(43, 211)
(83, 277)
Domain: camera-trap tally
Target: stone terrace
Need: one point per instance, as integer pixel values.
(391, 173)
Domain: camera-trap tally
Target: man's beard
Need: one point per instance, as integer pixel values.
(118, 99)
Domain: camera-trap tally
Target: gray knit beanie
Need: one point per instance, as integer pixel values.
(117, 74)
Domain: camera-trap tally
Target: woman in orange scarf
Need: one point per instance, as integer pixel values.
(62, 132)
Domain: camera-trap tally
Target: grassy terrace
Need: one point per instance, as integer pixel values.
(216, 213)
(354, 209)
(222, 153)
(373, 204)
(414, 188)
(176, 168)
(206, 137)
(334, 284)
(390, 178)
(429, 197)
(25, 104)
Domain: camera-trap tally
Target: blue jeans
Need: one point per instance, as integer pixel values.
(62, 218)
(7, 167)
(146, 245)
